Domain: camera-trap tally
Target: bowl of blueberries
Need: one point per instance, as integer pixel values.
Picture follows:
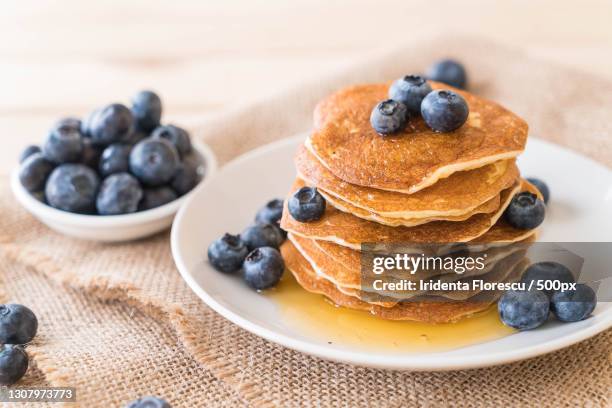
(117, 175)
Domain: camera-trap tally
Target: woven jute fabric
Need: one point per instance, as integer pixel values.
(117, 321)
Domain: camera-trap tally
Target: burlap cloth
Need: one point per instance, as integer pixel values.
(117, 321)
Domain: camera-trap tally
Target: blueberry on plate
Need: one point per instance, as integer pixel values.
(153, 197)
(227, 253)
(111, 124)
(73, 187)
(410, 90)
(13, 363)
(148, 402)
(262, 235)
(449, 72)
(306, 205)
(63, 145)
(18, 324)
(34, 171)
(119, 193)
(263, 268)
(87, 123)
(69, 123)
(547, 271)
(115, 159)
(154, 161)
(526, 211)
(135, 136)
(188, 175)
(27, 152)
(541, 186)
(389, 117)
(523, 309)
(91, 154)
(175, 135)
(147, 110)
(444, 110)
(575, 304)
(271, 213)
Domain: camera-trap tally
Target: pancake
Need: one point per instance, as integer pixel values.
(426, 311)
(459, 194)
(345, 142)
(348, 230)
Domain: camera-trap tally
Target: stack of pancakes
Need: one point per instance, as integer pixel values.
(414, 187)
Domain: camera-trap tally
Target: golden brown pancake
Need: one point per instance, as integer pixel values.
(348, 230)
(458, 195)
(426, 311)
(345, 142)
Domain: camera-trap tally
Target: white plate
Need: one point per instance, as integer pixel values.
(580, 210)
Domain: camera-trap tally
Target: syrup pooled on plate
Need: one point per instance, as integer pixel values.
(318, 318)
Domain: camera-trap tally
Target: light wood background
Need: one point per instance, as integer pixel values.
(61, 58)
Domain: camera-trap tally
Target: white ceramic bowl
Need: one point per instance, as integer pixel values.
(110, 228)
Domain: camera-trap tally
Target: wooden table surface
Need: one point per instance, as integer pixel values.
(61, 58)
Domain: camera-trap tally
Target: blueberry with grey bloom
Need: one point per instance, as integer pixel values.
(13, 363)
(270, 213)
(27, 152)
(135, 136)
(262, 235)
(523, 309)
(88, 121)
(63, 145)
(147, 110)
(227, 253)
(91, 154)
(263, 268)
(175, 135)
(148, 402)
(111, 124)
(575, 304)
(18, 324)
(306, 205)
(526, 211)
(73, 187)
(34, 171)
(449, 72)
(410, 90)
(547, 271)
(115, 159)
(187, 176)
(65, 124)
(541, 186)
(444, 110)
(154, 161)
(389, 117)
(119, 193)
(155, 197)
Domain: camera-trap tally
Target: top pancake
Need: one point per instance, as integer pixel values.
(345, 142)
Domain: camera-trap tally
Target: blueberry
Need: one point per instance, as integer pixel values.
(73, 187)
(526, 211)
(541, 186)
(262, 235)
(91, 154)
(87, 123)
(271, 213)
(155, 197)
(147, 110)
(263, 268)
(115, 159)
(449, 72)
(18, 324)
(135, 136)
(148, 402)
(547, 271)
(523, 309)
(63, 145)
(306, 205)
(13, 363)
(111, 124)
(410, 90)
(444, 110)
(72, 124)
(175, 135)
(575, 304)
(154, 161)
(34, 171)
(389, 117)
(27, 152)
(187, 175)
(227, 253)
(119, 193)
